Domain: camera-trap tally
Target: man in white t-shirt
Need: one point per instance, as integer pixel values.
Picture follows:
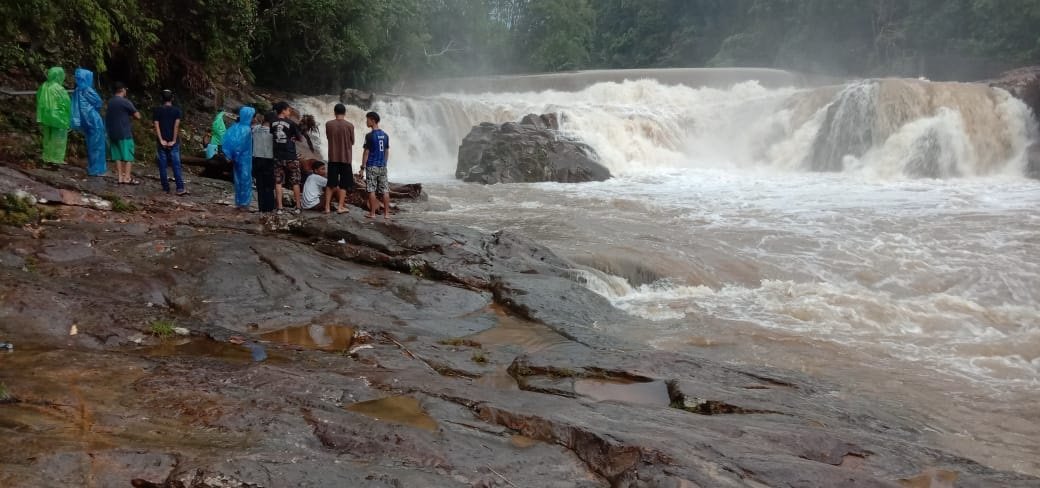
(314, 188)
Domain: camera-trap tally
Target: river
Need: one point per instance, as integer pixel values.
(879, 234)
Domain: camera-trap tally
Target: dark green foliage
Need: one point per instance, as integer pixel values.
(201, 46)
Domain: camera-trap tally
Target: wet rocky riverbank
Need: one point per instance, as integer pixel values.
(173, 342)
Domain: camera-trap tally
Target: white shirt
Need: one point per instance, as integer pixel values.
(313, 190)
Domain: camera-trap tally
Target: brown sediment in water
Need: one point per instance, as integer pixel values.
(624, 391)
(321, 337)
(225, 351)
(399, 410)
(76, 401)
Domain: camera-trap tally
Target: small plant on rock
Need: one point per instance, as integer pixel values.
(163, 328)
(118, 204)
(18, 210)
(5, 396)
(479, 357)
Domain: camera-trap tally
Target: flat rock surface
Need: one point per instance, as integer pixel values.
(339, 351)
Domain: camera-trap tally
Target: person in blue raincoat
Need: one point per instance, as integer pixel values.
(238, 147)
(86, 118)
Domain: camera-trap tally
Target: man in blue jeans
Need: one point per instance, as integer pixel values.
(167, 119)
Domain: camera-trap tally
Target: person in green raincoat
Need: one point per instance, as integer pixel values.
(216, 132)
(54, 113)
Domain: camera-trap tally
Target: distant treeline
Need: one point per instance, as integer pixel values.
(322, 45)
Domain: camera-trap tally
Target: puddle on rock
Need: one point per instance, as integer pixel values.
(203, 348)
(649, 393)
(321, 337)
(512, 331)
(399, 410)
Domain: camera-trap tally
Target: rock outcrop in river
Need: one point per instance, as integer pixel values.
(179, 343)
(1024, 83)
(529, 152)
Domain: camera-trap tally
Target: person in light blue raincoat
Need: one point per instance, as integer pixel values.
(238, 147)
(86, 118)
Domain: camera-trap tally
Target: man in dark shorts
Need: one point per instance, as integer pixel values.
(373, 163)
(167, 121)
(340, 135)
(285, 133)
(120, 136)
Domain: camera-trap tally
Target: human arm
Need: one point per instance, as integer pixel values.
(158, 133)
(176, 131)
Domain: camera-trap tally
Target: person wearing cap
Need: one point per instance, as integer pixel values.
(118, 118)
(167, 121)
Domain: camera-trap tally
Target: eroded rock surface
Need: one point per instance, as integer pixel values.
(470, 360)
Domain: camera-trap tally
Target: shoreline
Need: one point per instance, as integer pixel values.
(454, 358)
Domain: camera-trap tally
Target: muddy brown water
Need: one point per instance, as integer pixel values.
(321, 337)
(400, 410)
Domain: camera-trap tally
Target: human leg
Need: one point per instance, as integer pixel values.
(384, 187)
(263, 171)
(178, 175)
(293, 172)
(279, 177)
(163, 159)
(55, 142)
(96, 165)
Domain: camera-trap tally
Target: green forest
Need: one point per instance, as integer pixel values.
(322, 45)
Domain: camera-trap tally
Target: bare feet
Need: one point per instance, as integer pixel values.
(370, 216)
(342, 210)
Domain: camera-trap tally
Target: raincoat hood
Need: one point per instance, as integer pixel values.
(84, 78)
(238, 141)
(56, 75)
(245, 116)
(53, 105)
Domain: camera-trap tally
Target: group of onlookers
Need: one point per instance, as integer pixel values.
(280, 154)
(56, 113)
(272, 148)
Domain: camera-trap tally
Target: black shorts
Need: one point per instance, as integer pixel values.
(341, 175)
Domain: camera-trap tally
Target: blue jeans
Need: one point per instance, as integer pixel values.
(171, 156)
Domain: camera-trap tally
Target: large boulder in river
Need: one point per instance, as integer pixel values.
(529, 152)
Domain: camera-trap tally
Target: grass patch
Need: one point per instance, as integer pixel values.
(479, 357)
(5, 396)
(32, 264)
(118, 204)
(163, 328)
(18, 211)
(459, 343)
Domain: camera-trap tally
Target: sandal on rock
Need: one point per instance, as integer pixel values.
(183, 193)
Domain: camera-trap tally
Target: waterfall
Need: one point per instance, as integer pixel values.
(889, 128)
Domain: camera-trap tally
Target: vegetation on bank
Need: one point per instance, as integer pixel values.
(197, 46)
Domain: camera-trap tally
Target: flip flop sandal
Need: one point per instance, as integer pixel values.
(134, 181)
(183, 193)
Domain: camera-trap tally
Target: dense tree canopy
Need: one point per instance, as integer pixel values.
(322, 45)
